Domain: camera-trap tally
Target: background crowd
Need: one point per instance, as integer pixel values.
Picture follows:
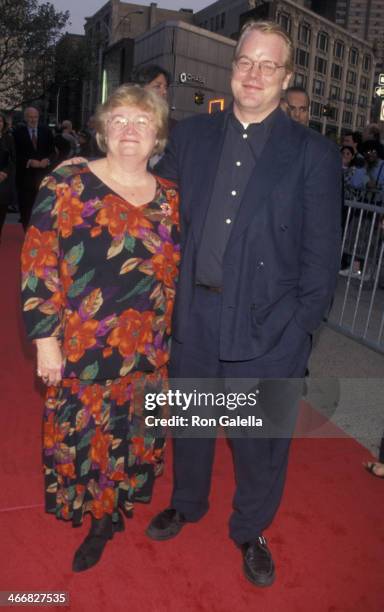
(29, 150)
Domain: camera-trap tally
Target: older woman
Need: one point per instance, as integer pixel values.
(99, 265)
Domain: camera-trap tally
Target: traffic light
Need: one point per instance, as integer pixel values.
(199, 97)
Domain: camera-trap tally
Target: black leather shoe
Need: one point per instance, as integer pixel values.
(258, 563)
(166, 525)
(90, 551)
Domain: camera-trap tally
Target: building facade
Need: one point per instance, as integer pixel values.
(366, 20)
(199, 63)
(333, 65)
(113, 23)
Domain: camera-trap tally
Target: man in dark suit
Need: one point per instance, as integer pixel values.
(35, 148)
(260, 204)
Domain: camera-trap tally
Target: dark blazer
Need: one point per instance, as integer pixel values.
(7, 153)
(7, 165)
(25, 149)
(280, 265)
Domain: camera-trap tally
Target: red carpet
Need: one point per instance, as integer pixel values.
(327, 540)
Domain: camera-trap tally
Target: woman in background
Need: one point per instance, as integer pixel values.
(157, 79)
(152, 77)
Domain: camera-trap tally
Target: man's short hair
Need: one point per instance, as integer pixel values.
(296, 89)
(356, 136)
(28, 108)
(268, 27)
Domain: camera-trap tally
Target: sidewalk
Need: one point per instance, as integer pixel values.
(343, 370)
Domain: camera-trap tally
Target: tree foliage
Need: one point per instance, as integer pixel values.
(29, 31)
(72, 60)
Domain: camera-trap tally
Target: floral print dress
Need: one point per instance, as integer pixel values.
(99, 274)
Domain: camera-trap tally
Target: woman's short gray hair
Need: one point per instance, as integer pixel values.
(133, 95)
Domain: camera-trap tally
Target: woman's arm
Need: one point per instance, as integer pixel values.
(42, 292)
(49, 360)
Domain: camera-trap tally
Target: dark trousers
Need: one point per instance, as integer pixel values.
(260, 463)
(28, 184)
(381, 451)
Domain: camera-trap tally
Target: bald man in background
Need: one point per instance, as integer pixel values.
(35, 148)
(297, 104)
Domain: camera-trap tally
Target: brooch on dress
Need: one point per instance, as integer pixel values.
(166, 208)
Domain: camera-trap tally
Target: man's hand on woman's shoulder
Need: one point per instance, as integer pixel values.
(71, 162)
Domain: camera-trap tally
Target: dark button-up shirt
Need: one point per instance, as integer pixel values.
(241, 150)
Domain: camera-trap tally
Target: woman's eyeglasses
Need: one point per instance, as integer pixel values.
(140, 124)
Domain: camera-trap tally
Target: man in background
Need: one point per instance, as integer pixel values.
(34, 146)
(297, 104)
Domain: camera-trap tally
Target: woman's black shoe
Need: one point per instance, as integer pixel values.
(90, 551)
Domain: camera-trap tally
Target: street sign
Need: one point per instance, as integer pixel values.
(382, 111)
(379, 91)
(381, 79)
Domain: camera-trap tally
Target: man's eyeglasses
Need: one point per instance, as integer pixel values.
(141, 123)
(266, 67)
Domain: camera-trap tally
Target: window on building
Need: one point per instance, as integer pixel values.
(211, 24)
(284, 20)
(338, 49)
(334, 92)
(320, 65)
(333, 113)
(360, 121)
(367, 63)
(318, 87)
(315, 109)
(353, 56)
(336, 72)
(363, 100)
(217, 22)
(322, 41)
(302, 58)
(222, 22)
(304, 34)
(347, 117)
(301, 80)
(364, 83)
(349, 97)
(351, 77)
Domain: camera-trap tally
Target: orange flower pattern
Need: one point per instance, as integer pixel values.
(39, 251)
(121, 219)
(100, 274)
(78, 336)
(69, 209)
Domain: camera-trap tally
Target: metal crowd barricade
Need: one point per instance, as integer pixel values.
(358, 305)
